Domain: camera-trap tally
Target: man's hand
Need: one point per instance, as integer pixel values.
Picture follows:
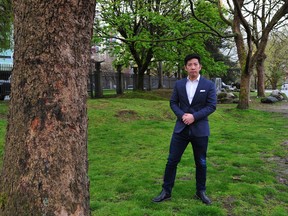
(188, 118)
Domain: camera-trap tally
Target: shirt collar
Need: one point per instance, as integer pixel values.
(198, 78)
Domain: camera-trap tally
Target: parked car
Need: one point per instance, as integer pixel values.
(130, 87)
(284, 89)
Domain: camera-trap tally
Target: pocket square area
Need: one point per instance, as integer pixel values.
(202, 90)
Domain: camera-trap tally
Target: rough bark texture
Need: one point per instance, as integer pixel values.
(244, 59)
(260, 74)
(45, 159)
(244, 95)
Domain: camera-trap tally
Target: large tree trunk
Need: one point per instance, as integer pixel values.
(45, 160)
(142, 63)
(260, 74)
(140, 80)
(244, 95)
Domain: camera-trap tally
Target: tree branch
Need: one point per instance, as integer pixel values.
(168, 39)
(214, 31)
(220, 10)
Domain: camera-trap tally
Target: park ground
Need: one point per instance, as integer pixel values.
(128, 143)
(247, 159)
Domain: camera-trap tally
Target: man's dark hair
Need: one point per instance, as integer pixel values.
(192, 56)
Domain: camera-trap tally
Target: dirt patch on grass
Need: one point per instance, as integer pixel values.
(282, 162)
(127, 115)
(229, 205)
(278, 107)
(282, 165)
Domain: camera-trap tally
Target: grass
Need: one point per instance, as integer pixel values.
(128, 145)
(3, 123)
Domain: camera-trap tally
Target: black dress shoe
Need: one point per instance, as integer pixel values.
(202, 196)
(162, 196)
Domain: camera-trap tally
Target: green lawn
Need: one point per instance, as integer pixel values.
(128, 146)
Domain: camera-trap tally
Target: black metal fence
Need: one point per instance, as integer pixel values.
(5, 74)
(5, 71)
(98, 81)
(109, 81)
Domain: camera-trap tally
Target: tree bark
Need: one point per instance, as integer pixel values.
(244, 95)
(260, 74)
(142, 62)
(244, 55)
(160, 75)
(45, 158)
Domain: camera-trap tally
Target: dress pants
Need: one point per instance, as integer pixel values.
(178, 144)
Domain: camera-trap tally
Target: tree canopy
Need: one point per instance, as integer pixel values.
(252, 22)
(276, 62)
(142, 32)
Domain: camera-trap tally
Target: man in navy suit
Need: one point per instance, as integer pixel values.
(193, 100)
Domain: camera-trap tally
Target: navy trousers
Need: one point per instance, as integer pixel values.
(178, 144)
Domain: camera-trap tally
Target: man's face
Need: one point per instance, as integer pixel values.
(193, 68)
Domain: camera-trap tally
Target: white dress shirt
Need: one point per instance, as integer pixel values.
(191, 87)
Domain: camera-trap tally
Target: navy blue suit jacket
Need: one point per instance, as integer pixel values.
(203, 104)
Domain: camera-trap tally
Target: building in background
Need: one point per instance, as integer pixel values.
(6, 65)
(6, 57)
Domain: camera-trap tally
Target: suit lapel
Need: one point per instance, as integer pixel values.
(183, 89)
(197, 91)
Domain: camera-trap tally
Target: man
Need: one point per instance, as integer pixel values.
(193, 100)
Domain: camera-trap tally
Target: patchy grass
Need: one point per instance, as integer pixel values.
(128, 141)
(3, 124)
(128, 154)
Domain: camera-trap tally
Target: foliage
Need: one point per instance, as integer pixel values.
(5, 24)
(150, 31)
(276, 63)
(252, 22)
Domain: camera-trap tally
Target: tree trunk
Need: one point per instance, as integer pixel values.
(179, 74)
(260, 74)
(140, 79)
(274, 82)
(244, 95)
(142, 63)
(45, 159)
(160, 75)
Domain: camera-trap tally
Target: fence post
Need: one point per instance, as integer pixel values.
(119, 82)
(98, 80)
